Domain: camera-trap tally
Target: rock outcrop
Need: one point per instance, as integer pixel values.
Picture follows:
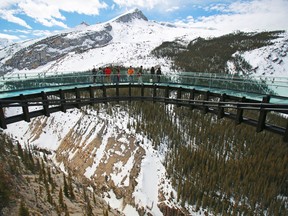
(136, 14)
(55, 47)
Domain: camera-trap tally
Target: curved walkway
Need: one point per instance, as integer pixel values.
(220, 103)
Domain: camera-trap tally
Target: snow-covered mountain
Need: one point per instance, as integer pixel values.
(125, 40)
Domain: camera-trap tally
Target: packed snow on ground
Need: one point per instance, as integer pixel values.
(270, 61)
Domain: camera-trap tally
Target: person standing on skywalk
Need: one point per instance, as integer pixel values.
(130, 74)
(158, 72)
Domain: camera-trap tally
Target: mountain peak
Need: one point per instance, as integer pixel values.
(131, 15)
(84, 24)
(81, 25)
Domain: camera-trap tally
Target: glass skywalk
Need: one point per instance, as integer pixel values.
(240, 86)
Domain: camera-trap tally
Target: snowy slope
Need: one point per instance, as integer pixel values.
(271, 60)
(4, 42)
(96, 144)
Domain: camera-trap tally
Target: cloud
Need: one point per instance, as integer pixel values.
(47, 12)
(165, 5)
(247, 15)
(149, 4)
(173, 9)
(8, 3)
(8, 37)
(9, 16)
(159, 6)
(37, 33)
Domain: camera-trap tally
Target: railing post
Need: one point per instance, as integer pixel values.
(262, 115)
(104, 93)
(62, 100)
(142, 92)
(45, 104)
(179, 96)
(78, 99)
(91, 94)
(130, 94)
(2, 118)
(239, 115)
(192, 97)
(206, 98)
(154, 93)
(220, 108)
(285, 138)
(117, 92)
(167, 91)
(25, 109)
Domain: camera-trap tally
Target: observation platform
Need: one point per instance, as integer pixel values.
(223, 95)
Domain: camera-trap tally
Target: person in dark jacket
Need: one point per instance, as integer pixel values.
(94, 72)
(116, 75)
(100, 75)
(152, 71)
(139, 75)
(158, 72)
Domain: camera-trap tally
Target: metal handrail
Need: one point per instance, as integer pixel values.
(269, 85)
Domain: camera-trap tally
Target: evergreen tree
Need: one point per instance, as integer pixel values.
(66, 191)
(60, 197)
(66, 211)
(70, 187)
(94, 199)
(105, 212)
(20, 150)
(88, 207)
(23, 210)
(5, 188)
(49, 197)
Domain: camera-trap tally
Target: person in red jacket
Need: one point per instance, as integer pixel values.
(108, 72)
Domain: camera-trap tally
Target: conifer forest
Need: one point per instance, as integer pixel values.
(215, 164)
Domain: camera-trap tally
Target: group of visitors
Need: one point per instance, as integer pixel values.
(156, 75)
(113, 74)
(109, 73)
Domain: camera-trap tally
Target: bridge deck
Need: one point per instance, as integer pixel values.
(218, 103)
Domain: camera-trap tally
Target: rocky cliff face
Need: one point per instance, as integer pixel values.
(137, 14)
(55, 47)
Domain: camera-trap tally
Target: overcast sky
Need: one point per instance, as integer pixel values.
(24, 19)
